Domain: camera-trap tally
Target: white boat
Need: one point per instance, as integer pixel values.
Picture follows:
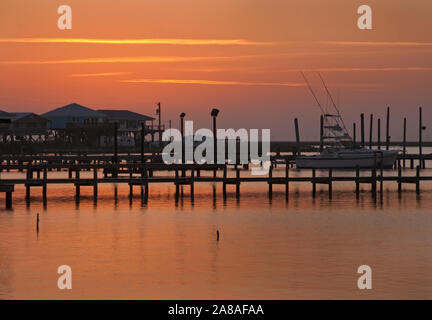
(345, 158)
(342, 152)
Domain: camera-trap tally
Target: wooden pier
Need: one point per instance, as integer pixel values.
(42, 175)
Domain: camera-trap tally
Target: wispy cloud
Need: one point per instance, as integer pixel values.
(353, 69)
(325, 69)
(352, 86)
(119, 60)
(102, 74)
(378, 43)
(194, 42)
(215, 82)
(204, 42)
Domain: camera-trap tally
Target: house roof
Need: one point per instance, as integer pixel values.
(125, 115)
(5, 115)
(20, 115)
(73, 110)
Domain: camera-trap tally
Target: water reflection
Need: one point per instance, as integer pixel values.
(163, 246)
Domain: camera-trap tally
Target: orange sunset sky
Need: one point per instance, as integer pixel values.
(243, 56)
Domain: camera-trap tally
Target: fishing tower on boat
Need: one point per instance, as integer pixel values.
(334, 132)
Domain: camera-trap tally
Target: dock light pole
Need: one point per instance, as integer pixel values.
(214, 113)
(182, 115)
(158, 112)
(421, 128)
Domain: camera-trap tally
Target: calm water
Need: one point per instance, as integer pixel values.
(269, 249)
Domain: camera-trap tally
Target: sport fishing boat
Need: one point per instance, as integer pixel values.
(345, 158)
(339, 151)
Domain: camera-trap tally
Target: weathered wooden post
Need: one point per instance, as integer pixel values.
(237, 183)
(182, 115)
(286, 178)
(354, 133)
(362, 136)
(224, 181)
(388, 129)
(404, 141)
(357, 181)
(214, 113)
(297, 133)
(313, 182)
(159, 113)
(146, 184)
(8, 199)
(44, 185)
(420, 132)
(29, 174)
(77, 185)
(379, 134)
(192, 182)
(177, 182)
(421, 128)
(270, 184)
(374, 177)
(381, 174)
(95, 184)
(371, 131)
(399, 180)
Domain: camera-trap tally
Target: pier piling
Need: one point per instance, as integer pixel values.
(417, 179)
(313, 182)
(379, 134)
(357, 181)
(404, 141)
(421, 128)
(297, 134)
(270, 183)
(388, 129)
(286, 178)
(354, 133)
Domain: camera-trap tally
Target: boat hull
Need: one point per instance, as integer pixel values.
(347, 161)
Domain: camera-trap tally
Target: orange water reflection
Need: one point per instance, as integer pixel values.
(269, 249)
